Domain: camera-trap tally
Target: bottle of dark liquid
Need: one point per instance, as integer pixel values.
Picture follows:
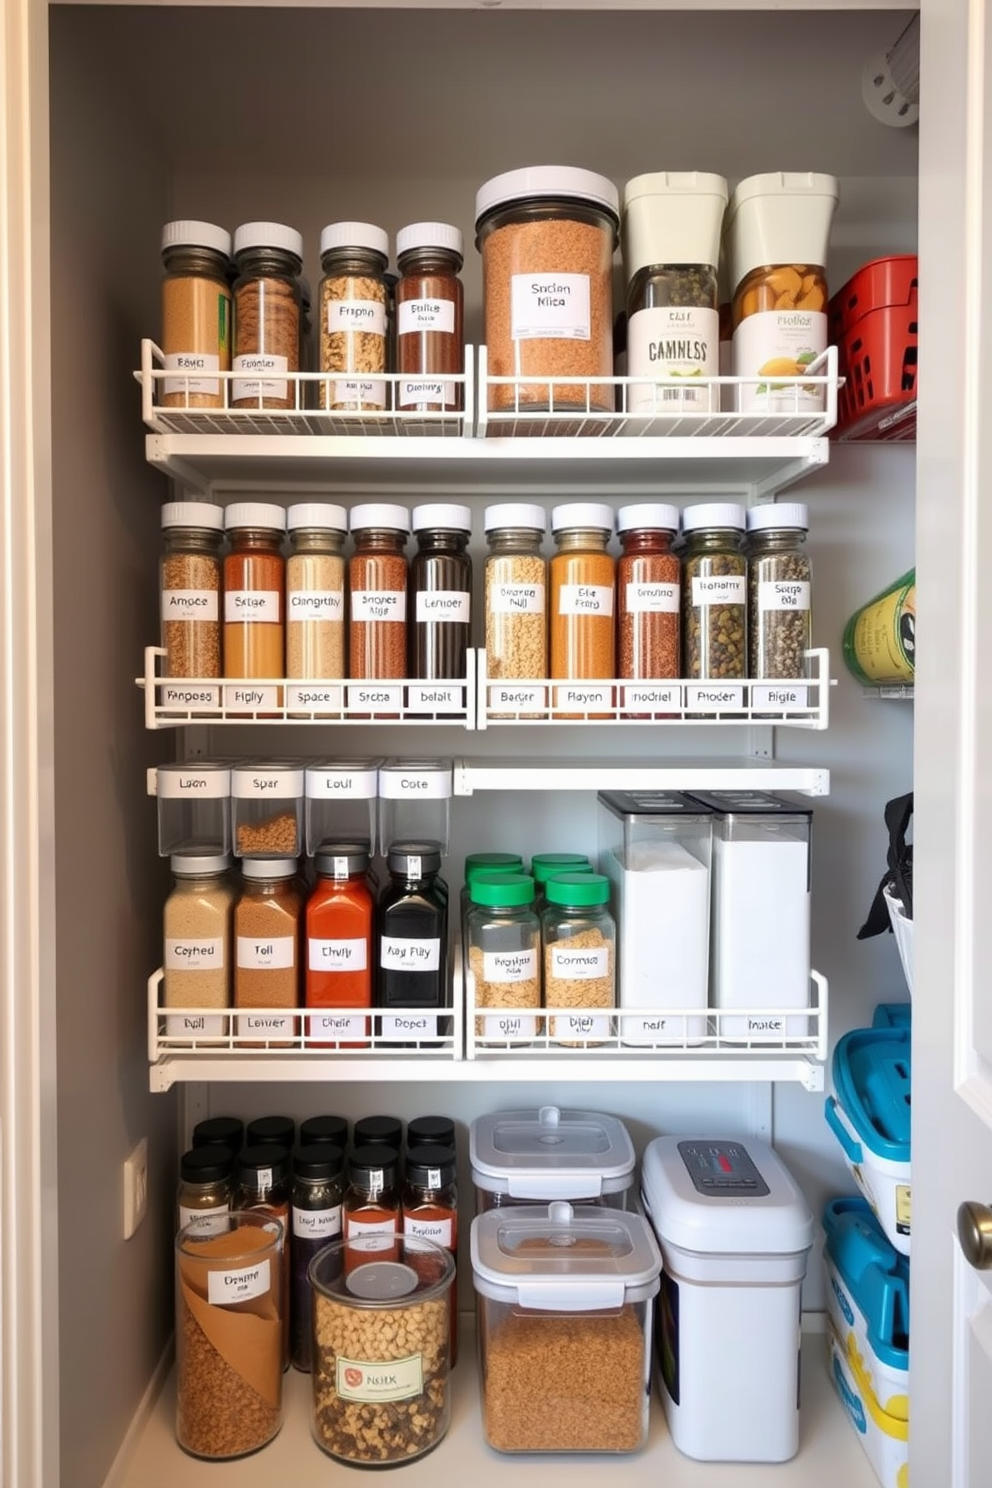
(412, 976)
(441, 585)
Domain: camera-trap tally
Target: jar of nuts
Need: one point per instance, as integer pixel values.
(269, 257)
(715, 592)
(353, 330)
(779, 577)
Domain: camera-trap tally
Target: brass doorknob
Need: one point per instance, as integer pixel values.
(975, 1235)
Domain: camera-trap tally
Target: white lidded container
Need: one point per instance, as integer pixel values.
(194, 808)
(655, 848)
(535, 1156)
(267, 809)
(415, 803)
(340, 802)
(735, 1234)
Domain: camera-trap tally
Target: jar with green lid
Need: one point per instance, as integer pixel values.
(503, 939)
(486, 862)
(196, 314)
(353, 316)
(544, 865)
(204, 1197)
(579, 939)
(269, 257)
(714, 589)
(779, 584)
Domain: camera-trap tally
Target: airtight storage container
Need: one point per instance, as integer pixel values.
(267, 809)
(415, 802)
(565, 1297)
(533, 1157)
(735, 1234)
(194, 808)
(884, 1438)
(868, 1300)
(869, 1113)
(340, 802)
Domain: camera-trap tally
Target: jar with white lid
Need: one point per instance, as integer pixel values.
(377, 585)
(779, 588)
(269, 257)
(254, 600)
(190, 585)
(353, 329)
(315, 609)
(267, 802)
(714, 576)
(516, 593)
(547, 236)
(429, 314)
(649, 591)
(583, 644)
(197, 962)
(671, 246)
(196, 314)
(441, 581)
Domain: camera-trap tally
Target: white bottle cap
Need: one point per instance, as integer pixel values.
(268, 235)
(650, 514)
(788, 514)
(354, 235)
(781, 217)
(582, 514)
(429, 235)
(379, 514)
(255, 514)
(714, 514)
(516, 514)
(268, 867)
(193, 514)
(189, 865)
(537, 181)
(319, 515)
(196, 235)
(672, 217)
(448, 518)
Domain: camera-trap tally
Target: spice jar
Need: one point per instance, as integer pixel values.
(353, 332)
(204, 1196)
(315, 591)
(430, 1210)
(429, 334)
(197, 935)
(779, 575)
(377, 578)
(431, 1131)
(671, 245)
(371, 1204)
(254, 587)
(579, 936)
(267, 925)
(324, 1129)
(379, 1131)
(649, 592)
(412, 923)
(317, 1191)
(485, 862)
(516, 593)
(229, 1291)
(441, 580)
(547, 235)
(546, 865)
(220, 1131)
(269, 257)
(196, 317)
(582, 589)
(261, 1184)
(190, 584)
(503, 940)
(339, 918)
(280, 1130)
(715, 610)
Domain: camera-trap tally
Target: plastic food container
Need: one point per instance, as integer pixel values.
(735, 1234)
(340, 802)
(565, 1298)
(415, 802)
(533, 1157)
(869, 1113)
(873, 323)
(267, 802)
(868, 1300)
(884, 1438)
(194, 809)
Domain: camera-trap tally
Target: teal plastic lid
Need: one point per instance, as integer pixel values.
(542, 865)
(875, 1275)
(482, 862)
(579, 889)
(498, 889)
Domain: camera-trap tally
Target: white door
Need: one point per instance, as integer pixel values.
(951, 1327)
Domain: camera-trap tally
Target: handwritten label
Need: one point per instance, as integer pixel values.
(374, 695)
(190, 699)
(399, 953)
(783, 596)
(584, 965)
(508, 1027)
(654, 599)
(192, 364)
(784, 695)
(194, 955)
(715, 697)
(576, 696)
(193, 1026)
(259, 385)
(507, 697)
(378, 604)
(400, 1379)
(550, 307)
(261, 1027)
(238, 1283)
(190, 604)
(415, 390)
(252, 698)
(338, 955)
(408, 1027)
(337, 1026)
(413, 316)
(184, 784)
(252, 607)
(438, 1230)
(651, 696)
(585, 599)
(579, 1027)
(207, 1221)
(315, 604)
(509, 966)
(314, 1224)
(517, 599)
(278, 953)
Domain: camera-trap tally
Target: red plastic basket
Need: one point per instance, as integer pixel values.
(873, 322)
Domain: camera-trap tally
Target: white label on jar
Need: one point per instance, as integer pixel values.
(237, 1283)
(516, 599)
(264, 1026)
(355, 391)
(408, 1027)
(255, 698)
(507, 1027)
(315, 604)
(355, 1228)
(205, 785)
(583, 697)
(194, 955)
(368, 316)
(576, 1027)
(774, 344)
(256, 782)
(425, 315)
(651, 696)
(585, 599)
(338, 955)
(336, 1026)
(259, 386)
(378, 604)
(258, 606)
(363, 785)
(374, 695)
(431, 698)
(508, 698)
(399, 953)
(443, 604)
(438, 1230)
(191, 363)
(509, 966)
(313, 1224)
(785, 595)
(275, 954)
(400, 1379)
(673, 342)
(429, 785)
(189, 604)
(779, 695)
(654, 599)
(207, 1221)
(714, 697)
(727, 589)
(193, 1026)
(415, 390)
(189, 699)
(311, 696)
(580, 965)
(550, 307)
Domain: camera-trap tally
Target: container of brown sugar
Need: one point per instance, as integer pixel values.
(267, 810)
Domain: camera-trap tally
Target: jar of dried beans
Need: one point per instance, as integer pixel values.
(547, 236)
(254, 590)
(779, 585)
(429, 1208)
(715, 578)
(579, 939)
(315, 628)
(196, 313)
(269, 257)
(516, 592)
(190, 582)
(649, 590)
(353, 329)
(582, 593)
(377, 580)
(429, 335)
(503, 971)
(441, 581)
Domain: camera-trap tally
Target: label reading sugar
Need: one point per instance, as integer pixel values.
(189, 604)
(362, 392)
(194, 1026)
(673, 342)
(413, 391)
(509, 966)
(725, 589)
(443, 604)
(408, 1027)
(317, 1224)
(192, 364)
(653, 599)
(425, 315)
(248, 606)
(338, 955)
(207, 1221)
(194, 955)
(579, 965)
(399, 953)
(237, 1283)
(438, 1230)
(256, 379)
(378, 604)
(315, 604)
(275, 954)
(516, 599)
(586, 599)
(400, 1379)
(550, 307)
(368, 316)
(336, 1026)
(784, 595)
(777, 344)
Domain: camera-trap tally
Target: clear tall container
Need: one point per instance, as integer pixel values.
(503, 957)
(190, 584)
(268, 933)
(267, 809)
(583, 585)
(194, 808)
(415, 802)
(254, 599)
(516, 589)
(538, 1155)
(649, 594)
(267, 317)
(340, 802)
(197, 960)
(196, 315)
(429, 333)
(578, 934)
(714, 576)
(441, 585)
(377, 591)
(353, 328)
(315, 591)
(779, 591)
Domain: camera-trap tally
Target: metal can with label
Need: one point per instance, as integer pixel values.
(880, 638)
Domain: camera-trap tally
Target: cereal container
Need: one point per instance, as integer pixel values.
(565, 1299)
(533, 1157)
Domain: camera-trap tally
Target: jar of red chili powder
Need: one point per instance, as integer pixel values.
(430, 1208)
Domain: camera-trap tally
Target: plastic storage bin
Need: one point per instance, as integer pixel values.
(873, 321)
(735, 1234)
(415, 803)
(194, 809)
(885, 1438)
(868, 1300)
(565, 1299)
(267, 810)
(869, 1114)
(340, 802)
(533, 1157)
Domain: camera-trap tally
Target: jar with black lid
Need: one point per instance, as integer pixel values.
(265, 1129)
(196, 314)
(431, 1131)
(222, 1131)
(204, 1196)
(353, 324)
(379, 1131)
(269, 257)
(430, 1208)
(324, 1129)
(429, 334)
(413, 953)
(441, 581)
(371, 1204)
(262, 1183)
(318, 1189)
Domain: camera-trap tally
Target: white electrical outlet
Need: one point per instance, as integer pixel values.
(135, 1187)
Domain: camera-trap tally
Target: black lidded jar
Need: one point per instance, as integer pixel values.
(412, 923)
(441, 585)
(220, 1131)
(324, 1129)
(317, 1192)
(431, 1131)
(379, 1131)
(280, 1130)
(261, 1181)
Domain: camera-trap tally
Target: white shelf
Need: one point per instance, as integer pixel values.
(544, 774)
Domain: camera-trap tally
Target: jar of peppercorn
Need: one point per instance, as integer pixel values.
(715, 578)
(779, 585)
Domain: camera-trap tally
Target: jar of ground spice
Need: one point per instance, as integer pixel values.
(269, 257)
(340, 962)
(190, 585)
(503, 953)
(315, 625)
(649, 593)
(582, 594)
(353, 327)
(429, 335)
(547, 235)
(715, 578)
(254, 591)
(441, 582)
(430, 1209)
(204, 1196)
(516, 592)
(371, 1205)
(779, 584)
(197, 935)
(579, 939)
(268, 920)
(377, 581)
(261, 1185)
(317, 1191)
(196, 314)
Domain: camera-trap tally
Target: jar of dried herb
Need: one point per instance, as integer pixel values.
(715, 578)
(371, 1204)
(269, 257)
(503, 972)
(261, 1184)
(649, 592)
(190, 584)
(579, 939)
(377, 579)
(204, 1195)
(315, 626)
(429, 334)
(582, 593)
(317, 1218)
(779, 588)
(516, 592)
(353, 326)
(196, 314)
(254, 590)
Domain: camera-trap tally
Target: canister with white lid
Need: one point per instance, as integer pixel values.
(315, 608)
(269, 257)
(735, 1234)
(415, 802)
(340, 802)
(194, 807)
(196, 314)
(353, 330)
(267, 809)
(429, 333)
(535, 1156)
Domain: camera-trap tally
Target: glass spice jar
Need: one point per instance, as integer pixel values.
(269, 257)
(779, 586)
(268, 921)
(324, 1129)
(254, 592)
(353, 329)
(315, 571)
(579, 939)
(197, 944)
(715, 579)
(196, 315)
(377, 584)
(429, 1209)
(220, 1131)
(205, 1184)
(340, 919)
(379, 1131)
(190, 586)
(441, 581)
(516, 593)
(649, 594)
(371, 1204)
(547, 865)
(429, 334)
(280, 1130)
(582, 595)
(431, 1131)
(503, 957)
(317, 1219)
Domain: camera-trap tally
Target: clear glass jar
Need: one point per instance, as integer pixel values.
(196, 314)
(583, 642)
(649, 592)
(546, 865)
(261, 1184)
(190, 586)
(353, 318)
(371, 1203)
(714, 645)
(317, 1192)
(516, 588)
(197, 964)
(503, 957)
(205, 1182)
(579, 939)
(779, 590)
(268, 920)
(324, 1129)
(340, 958)
(269, 257)
(279, 1131)
(377, 584)
(430, 1209)
(429, 311)
(220, 1131)
(315, 575)
(431, 1131)
(441, 583)
(254, 595)
(379, 1131)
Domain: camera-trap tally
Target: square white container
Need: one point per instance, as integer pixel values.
(884, 1438)
(194, 809)
(341, 802)
(536, 1156)
(415, 802)
(267, 809)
